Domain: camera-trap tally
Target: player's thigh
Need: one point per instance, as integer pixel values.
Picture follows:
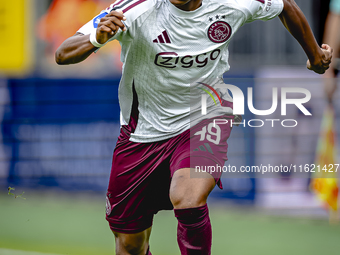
(132, 244)
(187, 191)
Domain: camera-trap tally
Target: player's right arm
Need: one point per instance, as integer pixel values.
(78, 47)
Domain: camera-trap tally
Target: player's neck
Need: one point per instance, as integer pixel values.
(190, 5)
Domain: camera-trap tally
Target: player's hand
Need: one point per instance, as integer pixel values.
(109, 25)
(323, 63)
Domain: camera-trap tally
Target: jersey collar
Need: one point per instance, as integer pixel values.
(178, 12)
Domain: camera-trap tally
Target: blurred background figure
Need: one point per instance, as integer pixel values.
(61, 20)
(325, 185)
(332, 37)
(64, 17)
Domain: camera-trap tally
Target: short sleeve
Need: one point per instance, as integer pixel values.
(132, 10)
(264, 9)
(93, 24)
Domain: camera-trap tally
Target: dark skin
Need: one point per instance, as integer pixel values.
(78, 47)
(296, 23)
(186, 192)
(187, 5)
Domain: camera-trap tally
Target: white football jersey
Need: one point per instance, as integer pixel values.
(165, 49)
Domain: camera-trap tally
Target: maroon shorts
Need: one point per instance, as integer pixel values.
(141, 172)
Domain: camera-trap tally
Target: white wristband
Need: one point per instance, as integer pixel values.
(93, 39)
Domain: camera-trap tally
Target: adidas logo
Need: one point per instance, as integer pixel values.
(162, 38)
(205, 147)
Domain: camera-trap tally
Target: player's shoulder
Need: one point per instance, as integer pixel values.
(134, 8)
(247, 6)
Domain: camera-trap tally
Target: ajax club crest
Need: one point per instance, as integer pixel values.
(219, 32)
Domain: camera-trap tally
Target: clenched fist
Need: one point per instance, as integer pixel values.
(109, 25)
(322, 65)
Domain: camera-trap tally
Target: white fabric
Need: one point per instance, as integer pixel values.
(93, 40)
(162, 71)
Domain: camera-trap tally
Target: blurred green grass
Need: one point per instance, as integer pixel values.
(74, 224)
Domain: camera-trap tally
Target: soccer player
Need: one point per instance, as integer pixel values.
(168, 45)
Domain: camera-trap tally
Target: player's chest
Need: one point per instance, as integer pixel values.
(174, 43)
(188, 35)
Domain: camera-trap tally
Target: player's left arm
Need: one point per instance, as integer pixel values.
(296, 23)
